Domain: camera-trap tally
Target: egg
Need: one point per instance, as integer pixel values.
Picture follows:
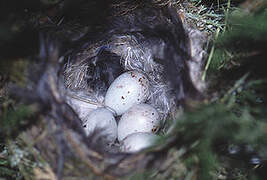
(139, 118)
(129, 88)
(103, 122)
(138, 141)
(81, 106)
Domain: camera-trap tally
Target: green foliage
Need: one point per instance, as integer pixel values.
(200, 130)
(207, 18)
(238, 115)
(16, 70)
(13, 119)
(139, 176)
(203, 130)
(6, 170)
(245, 38)
(246, 30)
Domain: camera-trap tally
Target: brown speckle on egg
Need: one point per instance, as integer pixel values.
(132, 74)
(120, 86)
(154, 129)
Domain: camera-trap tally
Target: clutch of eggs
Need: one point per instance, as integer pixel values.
(139, 118)
(129, 88)
(124, 95)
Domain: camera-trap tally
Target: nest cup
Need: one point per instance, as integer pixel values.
(151, 39)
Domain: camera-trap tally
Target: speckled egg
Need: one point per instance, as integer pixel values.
(102, 121)
(139, 118)
(130, 88)
(138, 141)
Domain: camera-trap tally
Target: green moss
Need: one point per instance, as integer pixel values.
(15, 69)
(13, 119)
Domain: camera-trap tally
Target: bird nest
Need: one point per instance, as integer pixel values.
(153, 39)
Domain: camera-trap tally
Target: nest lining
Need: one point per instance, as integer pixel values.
(137, 55)
(134, 56)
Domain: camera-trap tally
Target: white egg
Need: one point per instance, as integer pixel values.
(130, 88)
(138, 141)
(80, 106)
(103, 123)
(139, 118)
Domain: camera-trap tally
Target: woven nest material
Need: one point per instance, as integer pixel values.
(143, 39)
